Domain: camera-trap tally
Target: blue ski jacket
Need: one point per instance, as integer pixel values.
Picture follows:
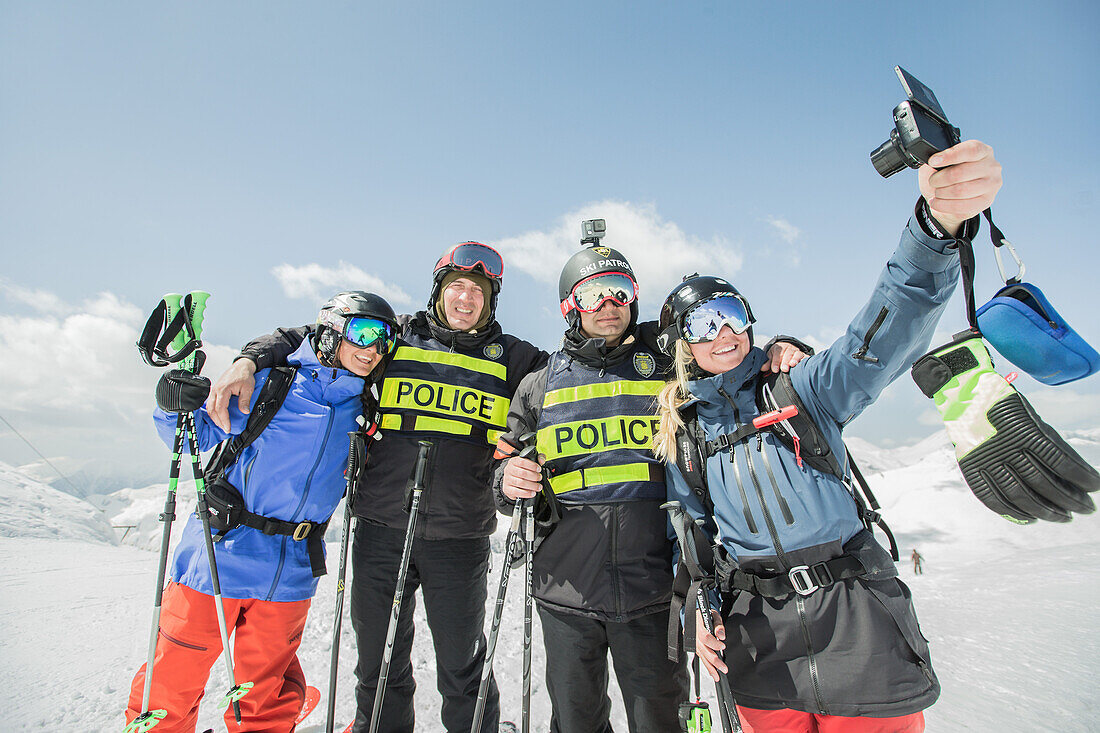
(294, 471)
(853, 648)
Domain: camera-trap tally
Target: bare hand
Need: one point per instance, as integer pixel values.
(708, 646)
(522, 478)
(238, 380)
(964, 186)
(782, 356)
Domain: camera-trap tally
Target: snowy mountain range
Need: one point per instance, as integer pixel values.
(1010, 611)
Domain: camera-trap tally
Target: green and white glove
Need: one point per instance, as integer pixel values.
(1015, 463)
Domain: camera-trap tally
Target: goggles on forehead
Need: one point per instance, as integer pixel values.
(362, 332)
(589, 294)
(705, 320)
(469, 255)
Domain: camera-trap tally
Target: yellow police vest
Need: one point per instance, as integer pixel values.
(431, 391)
(596, 430)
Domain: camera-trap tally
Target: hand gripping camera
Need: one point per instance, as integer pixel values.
(921, 129)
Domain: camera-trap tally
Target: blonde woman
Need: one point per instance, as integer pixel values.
(817, 632)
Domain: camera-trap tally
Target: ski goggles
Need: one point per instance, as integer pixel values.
(362, 332)
(590, 294)
(705, 320)
(469, 255)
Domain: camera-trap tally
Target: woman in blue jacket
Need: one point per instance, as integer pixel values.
(809, 650)
(293, 473)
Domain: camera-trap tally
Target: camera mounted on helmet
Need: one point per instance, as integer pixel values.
(594, 276)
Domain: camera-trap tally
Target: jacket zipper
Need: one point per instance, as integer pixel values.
(861, 353)
(783, 506)
(800, 603)
(302, 501)
(744, 497)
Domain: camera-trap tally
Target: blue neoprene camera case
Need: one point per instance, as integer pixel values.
(1024, 328)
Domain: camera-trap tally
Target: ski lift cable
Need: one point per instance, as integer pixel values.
(47, 460)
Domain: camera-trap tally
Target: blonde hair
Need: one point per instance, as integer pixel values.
(669, 399)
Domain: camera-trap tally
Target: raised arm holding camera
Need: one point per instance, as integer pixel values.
(816, 632)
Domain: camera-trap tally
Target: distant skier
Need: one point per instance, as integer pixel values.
(916, 558)
(290, 480)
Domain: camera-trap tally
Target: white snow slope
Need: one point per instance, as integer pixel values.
(1011, 611)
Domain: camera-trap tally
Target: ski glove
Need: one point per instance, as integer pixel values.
(1015, 463)
(180, 391)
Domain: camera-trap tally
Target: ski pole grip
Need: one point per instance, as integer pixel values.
(171, 308)
(424, 448)
(198, 308)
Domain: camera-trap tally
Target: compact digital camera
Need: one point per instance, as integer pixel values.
(921, 129)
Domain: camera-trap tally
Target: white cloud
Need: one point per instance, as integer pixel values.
(787, 232)
(659, 251)
(39, 300)
(73, 384)
(316, 283)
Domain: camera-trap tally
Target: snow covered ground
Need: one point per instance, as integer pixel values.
(1011, 611)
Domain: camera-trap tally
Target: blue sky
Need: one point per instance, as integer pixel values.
(272, 153)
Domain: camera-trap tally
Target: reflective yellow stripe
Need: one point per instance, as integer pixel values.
(391, 422)
(648, 388)
(581, 437)
(595, 476)
(430, 356)
(441, 425)
(444, 400)
(493, 436)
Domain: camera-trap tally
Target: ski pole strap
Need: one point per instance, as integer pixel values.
(163, 328)
(801, 579)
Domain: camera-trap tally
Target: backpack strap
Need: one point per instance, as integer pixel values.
(268, 402)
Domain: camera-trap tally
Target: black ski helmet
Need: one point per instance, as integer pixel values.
(346, 305)
(693, 290)
(588, 262)
(446, 265)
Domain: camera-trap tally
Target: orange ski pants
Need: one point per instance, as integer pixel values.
(796, 721)
(266, 639)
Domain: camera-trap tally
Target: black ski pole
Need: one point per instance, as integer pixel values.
(418, 488)
(356, 457)
(510, 549)
(731, 722)
(529, 550)
(176, 335)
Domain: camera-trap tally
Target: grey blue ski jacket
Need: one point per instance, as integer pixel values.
(854, 647)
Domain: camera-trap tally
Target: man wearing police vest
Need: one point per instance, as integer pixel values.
(450, 380)
(603, 575)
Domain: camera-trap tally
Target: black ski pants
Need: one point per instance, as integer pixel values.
(451, 575)
(577, 674)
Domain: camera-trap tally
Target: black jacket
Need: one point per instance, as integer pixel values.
(458, 503)
(611, 561)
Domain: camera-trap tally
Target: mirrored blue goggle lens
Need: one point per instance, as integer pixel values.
(704, 321)
(366, 331)
(616, 287)
(469, 256)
